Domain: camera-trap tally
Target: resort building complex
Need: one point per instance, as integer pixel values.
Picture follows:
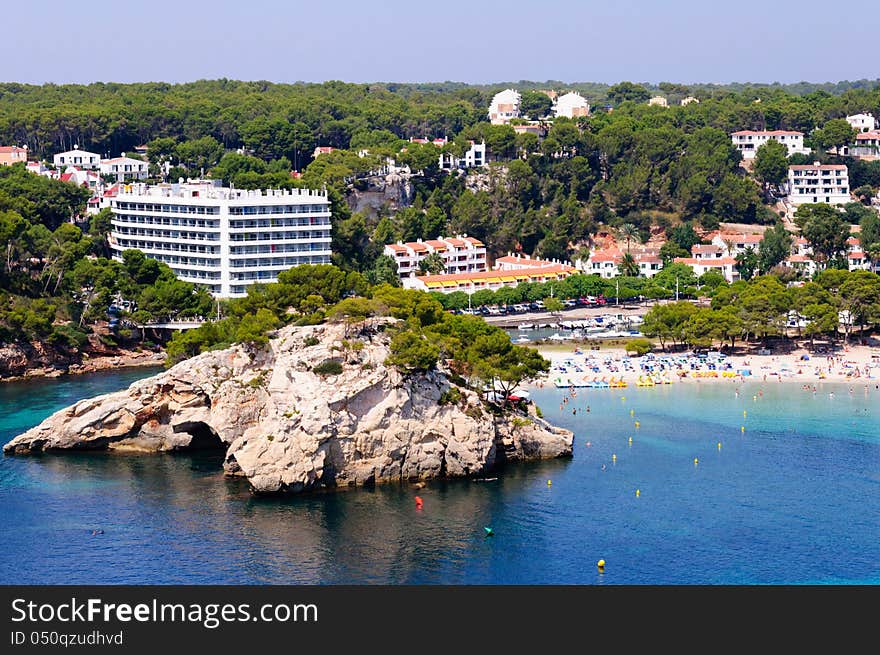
(224, 239)
(461, 254)
(492, 280)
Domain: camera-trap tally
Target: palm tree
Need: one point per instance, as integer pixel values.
(729, 246)
(629, 232)
(628, 266)
(433, 264)
(872, 252)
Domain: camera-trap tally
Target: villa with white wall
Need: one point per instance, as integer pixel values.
(504, 107)
(748, 141)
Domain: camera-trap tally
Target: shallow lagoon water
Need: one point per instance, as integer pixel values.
(794, 499)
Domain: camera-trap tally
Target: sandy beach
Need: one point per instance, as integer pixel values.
(851, 364)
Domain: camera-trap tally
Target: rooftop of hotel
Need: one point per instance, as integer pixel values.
(767, 133)
(821, 167)
(440, 243)
(712, 263)
(199, 190)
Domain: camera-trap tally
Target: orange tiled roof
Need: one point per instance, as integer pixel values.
(559, 269)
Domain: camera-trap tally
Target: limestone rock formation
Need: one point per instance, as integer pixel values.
(288, 429)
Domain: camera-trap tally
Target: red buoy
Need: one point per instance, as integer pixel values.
(418, 502)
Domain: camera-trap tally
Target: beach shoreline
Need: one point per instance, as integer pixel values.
(854, 364)
(92, 365)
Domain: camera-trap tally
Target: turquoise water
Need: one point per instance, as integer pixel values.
(795, 499)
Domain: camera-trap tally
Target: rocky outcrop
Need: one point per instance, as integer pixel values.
(288, 429)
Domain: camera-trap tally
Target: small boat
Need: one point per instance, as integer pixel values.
(523, 340)
(525, 326)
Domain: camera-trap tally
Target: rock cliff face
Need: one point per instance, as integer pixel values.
(287, 429)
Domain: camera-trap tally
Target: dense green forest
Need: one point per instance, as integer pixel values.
(628, 166)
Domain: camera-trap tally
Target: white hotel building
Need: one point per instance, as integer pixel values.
(223, 239)
(828, 183)
(748, 141)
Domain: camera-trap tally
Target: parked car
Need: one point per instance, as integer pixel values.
(570, 303)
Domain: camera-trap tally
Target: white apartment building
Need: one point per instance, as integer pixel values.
(828, 183)
(124, 168)
(223, 239)
(658, 101)
(504, 107)
(473, 157)
(81, 177)
(730, 244)
(606, 263)
(862, 122)
(689, 100)
(748, 141)
(571, 105)
(78, 158)
(724, 265)
(461, 254)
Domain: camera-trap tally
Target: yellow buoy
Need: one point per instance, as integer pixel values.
(549, 482)
(637, 425)
(742, 429)
(696, 461)
(630, 441)
(613, 458)
(755, 398)
(601, 565)
(638, 493)
(745, 413)
(719, 445)
(632, 412)
(623, 398)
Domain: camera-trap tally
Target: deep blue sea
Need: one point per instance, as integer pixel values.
(793, 499)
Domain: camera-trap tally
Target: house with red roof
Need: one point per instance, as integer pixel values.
(491, 280)
(10, 155)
